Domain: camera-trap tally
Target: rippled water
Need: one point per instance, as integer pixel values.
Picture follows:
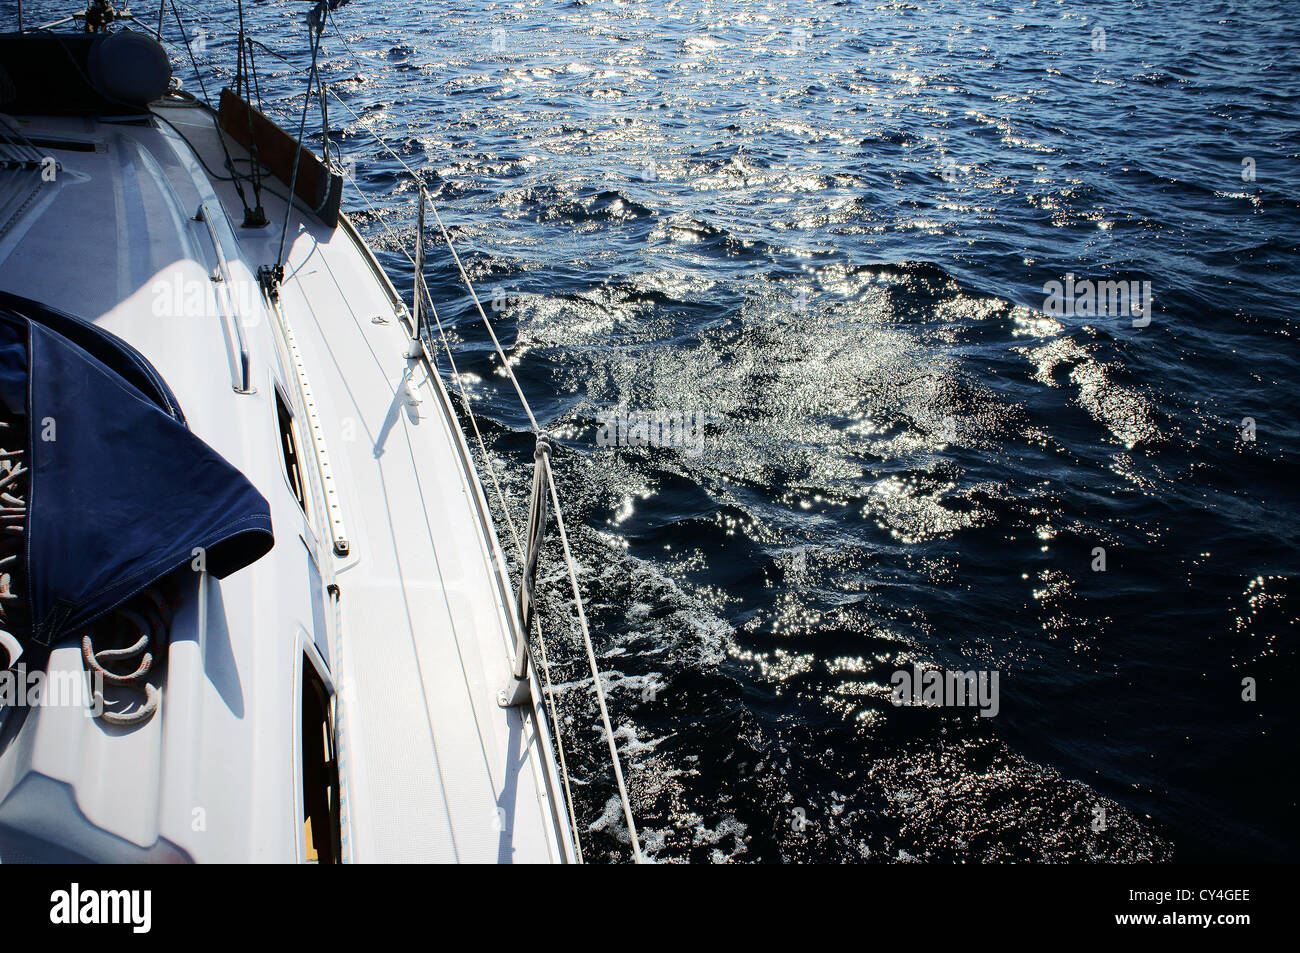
(826, 227)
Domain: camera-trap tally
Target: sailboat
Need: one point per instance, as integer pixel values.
(253, 604)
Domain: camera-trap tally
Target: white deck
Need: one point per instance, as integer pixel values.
(433, 770)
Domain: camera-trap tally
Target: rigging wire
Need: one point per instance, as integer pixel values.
(193, 62)
(256, 218)
(302, 124)
(523, 400)
(586, 635)
(595, 669)
(559, 517)
(239, 188)
(519, 549)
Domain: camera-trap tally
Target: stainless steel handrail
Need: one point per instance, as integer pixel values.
(516, 690)
(210, 213)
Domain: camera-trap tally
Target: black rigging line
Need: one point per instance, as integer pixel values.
(257, 86)
(257, 217)
(239, 188)
(316, 27)
(193, 62)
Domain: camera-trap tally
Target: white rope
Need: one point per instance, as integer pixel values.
(568, 557)
(505, 362)
(519, 549)
(595, 669)
(510, 523)
(456, 257)
(559, 516)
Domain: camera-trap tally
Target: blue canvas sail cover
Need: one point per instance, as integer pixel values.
(120, 493)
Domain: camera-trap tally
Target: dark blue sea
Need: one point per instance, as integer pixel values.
(822, 232)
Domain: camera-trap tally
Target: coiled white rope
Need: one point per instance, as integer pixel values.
(150, 617)
(13, 520)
